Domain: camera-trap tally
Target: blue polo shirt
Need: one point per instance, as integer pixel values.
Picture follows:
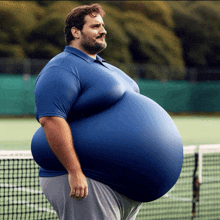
(74, 85)
(122, 138)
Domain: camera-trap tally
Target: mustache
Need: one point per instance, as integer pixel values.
(101, 35)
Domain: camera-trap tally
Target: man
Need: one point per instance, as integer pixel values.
(103, 148)
(88, 199)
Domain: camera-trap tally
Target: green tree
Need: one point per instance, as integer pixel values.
(198, 27)
(17, 20)
(141, 31)
(158, 11)
(47, 38)
(150, 28)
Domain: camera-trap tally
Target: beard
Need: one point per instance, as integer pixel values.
(92, 47)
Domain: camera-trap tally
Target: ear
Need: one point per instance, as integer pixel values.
(75, 32)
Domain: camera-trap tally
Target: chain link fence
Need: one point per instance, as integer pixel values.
(136, 71)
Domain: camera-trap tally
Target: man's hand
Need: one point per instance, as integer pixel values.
(78, 185)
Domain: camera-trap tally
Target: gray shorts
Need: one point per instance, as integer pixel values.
(102, 203)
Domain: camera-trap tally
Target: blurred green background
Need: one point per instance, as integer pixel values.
(170, 34)
(171, 48)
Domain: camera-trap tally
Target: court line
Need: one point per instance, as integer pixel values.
(14, 187)
(177, 198)
(23, 189)
(20, 202)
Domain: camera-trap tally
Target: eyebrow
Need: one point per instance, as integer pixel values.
(97, 24)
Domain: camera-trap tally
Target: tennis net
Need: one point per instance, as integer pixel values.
(196, 195)
(21, 196)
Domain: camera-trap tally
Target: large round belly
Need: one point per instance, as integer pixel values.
(133, 146)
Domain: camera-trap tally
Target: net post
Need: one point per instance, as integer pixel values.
(195, 183)
(200, 164)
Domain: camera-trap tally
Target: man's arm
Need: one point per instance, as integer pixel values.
(59, 137)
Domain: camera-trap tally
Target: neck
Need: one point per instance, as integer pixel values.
(77, 46)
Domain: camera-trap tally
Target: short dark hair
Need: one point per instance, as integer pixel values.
(76, 18)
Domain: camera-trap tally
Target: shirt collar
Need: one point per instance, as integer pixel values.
(82, 55)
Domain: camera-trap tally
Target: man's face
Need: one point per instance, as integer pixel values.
(93, 35)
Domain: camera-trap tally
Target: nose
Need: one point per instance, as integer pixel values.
(103, 31)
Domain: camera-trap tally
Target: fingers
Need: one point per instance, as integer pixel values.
(79, 193)
(78, 186)
(85, 193)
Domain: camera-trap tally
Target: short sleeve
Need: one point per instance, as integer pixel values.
(56, 90)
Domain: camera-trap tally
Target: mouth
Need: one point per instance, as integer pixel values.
(101, 36)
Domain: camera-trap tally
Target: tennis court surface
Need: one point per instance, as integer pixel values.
(21, 196)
